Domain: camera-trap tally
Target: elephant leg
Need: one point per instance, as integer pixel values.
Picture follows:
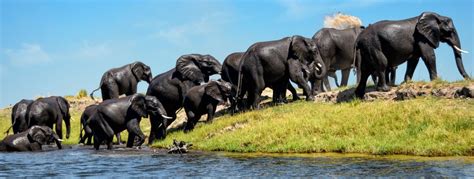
(294, 94)
(154, 128)
(326, 83)
(380, 67)
(279, 91)
(190, 122)
(133, 128)
(393, 72)
(345, 76)
(253, 95)
(119, 140)
(210, 113)
(59, 128)
(411, 65)
(360, 90)
(382, 84)
(109, 142)
(97, 142)
(429, 57)
(89, 139)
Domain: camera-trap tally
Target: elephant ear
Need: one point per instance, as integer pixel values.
(212, 90)
(137, 69)
(187, 66)
(298, 48)
(138, 104)
(64, 107)
(37, 134)
(428, 27)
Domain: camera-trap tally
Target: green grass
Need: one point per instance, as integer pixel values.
(425, 126)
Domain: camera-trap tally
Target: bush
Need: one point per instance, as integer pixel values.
(82, 93)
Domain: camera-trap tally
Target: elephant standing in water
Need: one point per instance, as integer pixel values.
(30, 140)
(115, 115)
(49, 111)
(387, 44)
(230, 73)
(337, 51)
(274, 63)
(88, 112)
(19, 122)
(171, 87)
(123, 80)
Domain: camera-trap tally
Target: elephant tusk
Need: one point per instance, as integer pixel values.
(60, 140)
(166, 117)
(319, 65)
(460, 50)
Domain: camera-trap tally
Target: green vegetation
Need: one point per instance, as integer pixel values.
(426, 126)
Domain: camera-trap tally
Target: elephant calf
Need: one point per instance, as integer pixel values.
(30, 140)
(203, 99)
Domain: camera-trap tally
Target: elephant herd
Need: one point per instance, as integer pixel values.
(375, 50)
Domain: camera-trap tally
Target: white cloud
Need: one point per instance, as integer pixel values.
(93, 51)
(28, 54)
(181, 34)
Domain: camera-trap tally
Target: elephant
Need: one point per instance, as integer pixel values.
(230, 72)
(115, 115)
(48, 111)
(30, 140)
(171, 87)
(123, 80)
(273, 63)
(337, 51)
(88, 112)
(204, 99)
(19, 122)
(387, 44)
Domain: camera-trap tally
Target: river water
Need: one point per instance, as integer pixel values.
(80, 161)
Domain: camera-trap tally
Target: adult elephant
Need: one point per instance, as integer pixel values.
(19, 122)
(337, 51)
(115, 115)
(387, 44)
(123, 80)
(49, 111)
(171, 87)
(230, 73)
(30, 140)
(274, 63)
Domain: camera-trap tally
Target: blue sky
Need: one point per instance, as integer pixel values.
(58, 47)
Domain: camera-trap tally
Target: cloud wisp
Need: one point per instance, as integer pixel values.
(27, 54)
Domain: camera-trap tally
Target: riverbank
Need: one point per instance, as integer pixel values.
(430, 119)
(424, 125)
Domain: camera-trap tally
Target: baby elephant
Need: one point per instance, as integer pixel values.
(30, 140)
(203, 99)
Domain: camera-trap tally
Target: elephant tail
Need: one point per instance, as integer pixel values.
(92, 93)
(8, 130)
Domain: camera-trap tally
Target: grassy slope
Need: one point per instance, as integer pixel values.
(425, 126)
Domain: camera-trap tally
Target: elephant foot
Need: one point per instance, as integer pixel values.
(296, 98)
(384, 88)
(310, 98)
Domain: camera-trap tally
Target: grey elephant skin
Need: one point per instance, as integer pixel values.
(30, 140)
(18, 116)
(204, 99)
(230, 73)
(171, 87)
(337, 51)
(387, 44)
(115, 115)
(50, 111)
(88, 112)
(123, 80)
(273, 64)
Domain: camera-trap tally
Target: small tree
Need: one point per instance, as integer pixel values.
(82, 93)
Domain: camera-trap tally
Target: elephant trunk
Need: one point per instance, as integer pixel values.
(319, 67)
(456, 45)
(57, 140)
(67, 120)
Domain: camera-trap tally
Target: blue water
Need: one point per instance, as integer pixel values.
(78, 161)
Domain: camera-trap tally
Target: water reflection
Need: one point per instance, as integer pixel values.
(83, 162)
